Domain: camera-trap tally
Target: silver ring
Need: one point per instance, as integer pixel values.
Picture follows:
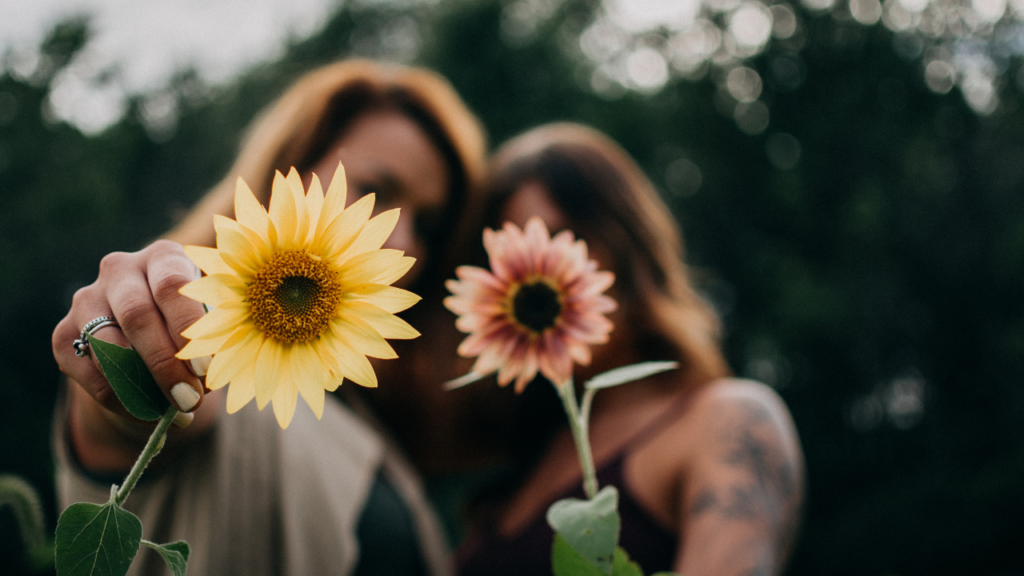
(81, 345)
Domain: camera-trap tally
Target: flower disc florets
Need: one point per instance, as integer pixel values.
(293, 296)
(539, 308)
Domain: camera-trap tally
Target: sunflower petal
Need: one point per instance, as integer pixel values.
(284, 214)
(387, 298)
(215, 289)
(302, 221)
(362, 337)
(268, 377)
(220, 320)
(334, 201)
(382, 321)
(354, 365)
(344, 229)
(242, 390)
(285, 399)
(368, 266)
(250, 213)
(208, 260)
(395, 271)
(232, 360)
(237, 252)
(373, 235)
(309, 378)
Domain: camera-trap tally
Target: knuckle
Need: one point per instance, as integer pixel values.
(164, 362)
(166, 285)
(136, 313)
(112, 262)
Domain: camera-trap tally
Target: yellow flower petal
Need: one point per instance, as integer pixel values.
(387, 298)
(231, 361)
(373, 235)
(202, 347)
(218, 321)
(242, 390)
(383, 322)
(215, 289)
(334, 201)
(237, 252)
(395, 271)
(314, 204)
(308, 378)
(284, 213)
(354, 365)
(268, 377)
(301, 207)
(250, 213)
(362, 337)
(344, 230)
(285, 399)
(208, 260)
(368, 266)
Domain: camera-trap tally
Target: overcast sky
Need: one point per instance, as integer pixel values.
(147, 40)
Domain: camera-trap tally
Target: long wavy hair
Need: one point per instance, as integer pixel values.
(300, 126)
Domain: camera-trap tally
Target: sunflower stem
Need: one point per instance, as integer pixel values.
(153, 447)
(580, 426)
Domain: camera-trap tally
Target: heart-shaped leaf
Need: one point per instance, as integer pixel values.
(628, 373)
(94, 540)
(130, 379)
(591, 527)
(175, 555)
(566, 561)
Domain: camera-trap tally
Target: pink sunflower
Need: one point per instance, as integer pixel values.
(539, 308)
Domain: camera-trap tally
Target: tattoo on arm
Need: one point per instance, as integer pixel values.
(769, 491)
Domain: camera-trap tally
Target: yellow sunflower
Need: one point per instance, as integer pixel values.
(300, 296)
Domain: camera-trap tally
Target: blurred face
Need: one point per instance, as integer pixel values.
(533, 199)
(388, 154)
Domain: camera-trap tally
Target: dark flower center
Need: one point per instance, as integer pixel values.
(294, 296)
(536, 306)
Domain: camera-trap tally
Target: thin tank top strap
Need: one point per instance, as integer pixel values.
(675, 408)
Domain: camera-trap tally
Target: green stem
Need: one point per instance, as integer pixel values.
(28, 511)
(580, 427)
(153, 446)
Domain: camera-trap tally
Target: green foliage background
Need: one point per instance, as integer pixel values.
(892, 252)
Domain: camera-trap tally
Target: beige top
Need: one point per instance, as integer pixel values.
(252, 499)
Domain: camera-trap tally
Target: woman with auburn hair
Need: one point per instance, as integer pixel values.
(708, 467)
(334, 496)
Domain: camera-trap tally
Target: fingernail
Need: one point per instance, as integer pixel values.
(185, 396)
(183, 419)
(201, 365)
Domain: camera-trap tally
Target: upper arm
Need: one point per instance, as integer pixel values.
(743, 489)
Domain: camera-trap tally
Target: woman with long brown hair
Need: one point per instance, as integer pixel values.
(708, 467)
(333, 496)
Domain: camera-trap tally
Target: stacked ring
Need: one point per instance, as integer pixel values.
(81, 344)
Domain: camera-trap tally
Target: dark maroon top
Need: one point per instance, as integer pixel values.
(487, 553)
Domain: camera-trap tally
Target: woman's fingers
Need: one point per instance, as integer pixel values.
(152, 313)
(140, 290)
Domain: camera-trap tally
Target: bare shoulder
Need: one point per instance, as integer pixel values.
(748, 472)
(733, 403)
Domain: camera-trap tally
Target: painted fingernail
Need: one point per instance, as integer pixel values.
(185, 396)
(183, 419)
(201, 365)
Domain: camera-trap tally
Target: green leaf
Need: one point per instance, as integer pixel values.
(628, 373)
(591, 527)
(623, 566)
(94, 540)
(175, 555)
(130, 378)
(566, 561)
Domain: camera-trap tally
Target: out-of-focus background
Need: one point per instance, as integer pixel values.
(849, 175)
